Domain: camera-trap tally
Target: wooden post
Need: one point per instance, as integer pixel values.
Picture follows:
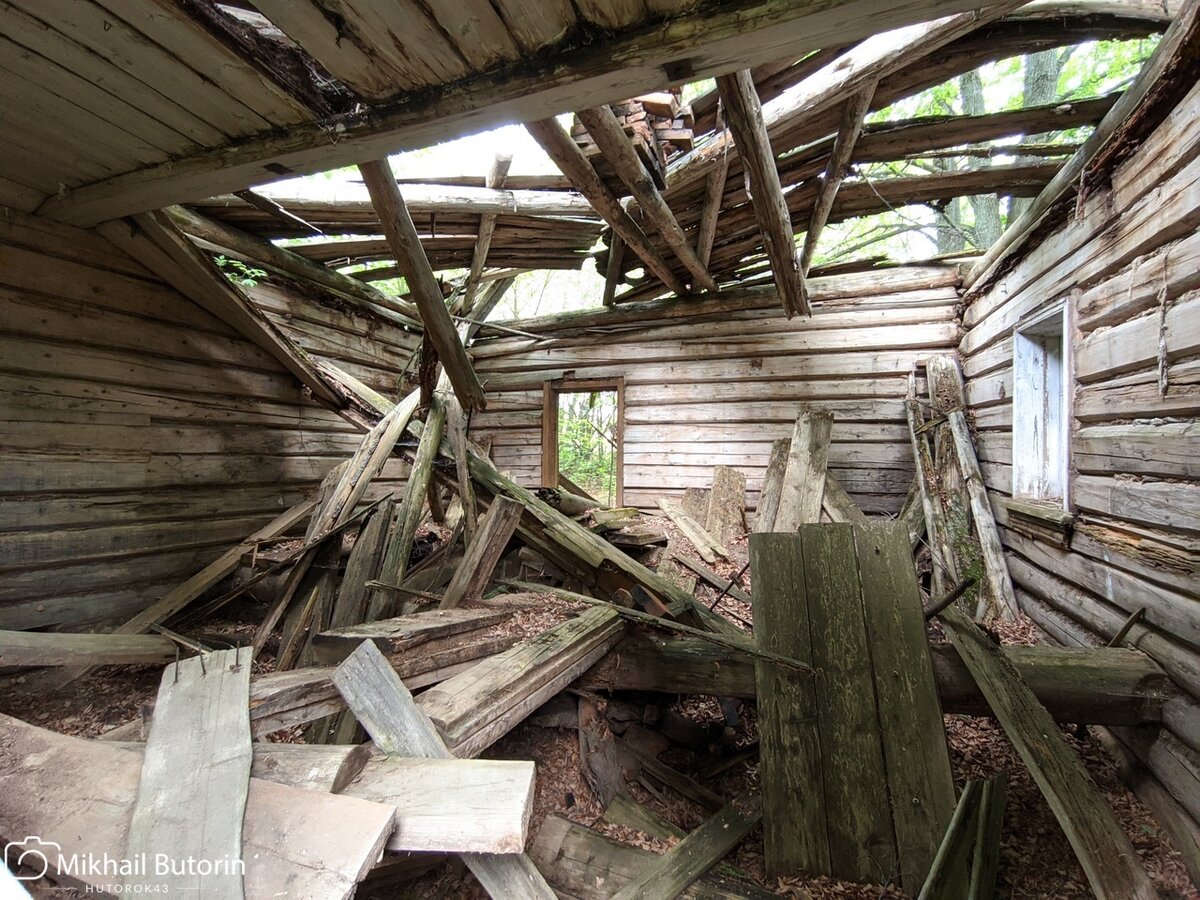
(571, 161)
(726, 512)
(483, 552)
(706, 545)
(803, 487)
(714, 196)
(615, 269)
(387, 710)
(405, 243)
(487, 227)
(610, 137)
(835, 170)
(981, 513)
(1108, 859)
(768, 498)
(766, 193)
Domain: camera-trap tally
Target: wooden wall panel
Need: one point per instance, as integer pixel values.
(701, 392)
(140, 436)
(1128, 270)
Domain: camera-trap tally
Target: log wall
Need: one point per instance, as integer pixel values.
(141, 437)
(718, 388)
(1128, 269)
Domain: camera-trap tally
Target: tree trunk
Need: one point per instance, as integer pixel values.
(985, 206)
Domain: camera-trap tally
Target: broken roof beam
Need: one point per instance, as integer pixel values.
(610, 137)
(406, 244)
(745, 116)
(487, 227)
(570, 159)
(835, 170)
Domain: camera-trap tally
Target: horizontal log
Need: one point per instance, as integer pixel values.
(1102, 687)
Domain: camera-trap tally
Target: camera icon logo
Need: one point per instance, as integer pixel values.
(33, 853)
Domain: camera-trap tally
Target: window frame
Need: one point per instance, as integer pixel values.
(1028, 388)
(550, 394)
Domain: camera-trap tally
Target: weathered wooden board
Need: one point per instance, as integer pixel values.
(196, 774)
(803, 486)
(405, 632)
(726, 514)
(483, 552)
(57, 648)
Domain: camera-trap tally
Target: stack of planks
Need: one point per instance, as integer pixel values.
(657, 126)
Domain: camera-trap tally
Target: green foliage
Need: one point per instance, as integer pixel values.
(238, 272)
(587, 442)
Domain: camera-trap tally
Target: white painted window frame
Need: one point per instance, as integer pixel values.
(1041, 432)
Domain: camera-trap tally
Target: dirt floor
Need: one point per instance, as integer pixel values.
(1036, 860)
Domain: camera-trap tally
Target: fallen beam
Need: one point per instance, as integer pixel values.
(56, 648)
(403, 633)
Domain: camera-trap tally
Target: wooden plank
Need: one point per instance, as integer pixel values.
(981, 514)
(745, 115)
(920, 782)
(706, 545)
(1108, 859)
(618, 151)
(717, 581)
(405, 244)
(403, 633)
(561, 148)
(684, 863)
(836, 503)
(795, 835)
(768, 500)
(56, 648)
(487, 227)
(196, 774)
(985, 857)
(726, 514)
(363, 565)
(81, 794)
(614, 272)
(483, 552)
(803, 487)
(944, 882)
(862, 842)
(475, 709)
(398, 726)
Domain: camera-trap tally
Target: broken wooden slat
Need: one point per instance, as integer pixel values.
(981, 513)
(768, 499)
(475, 709)
(837, 503)
(387, 710)
(744, 113)
(668, 875)
(706, 545)
(362, 566)
(195, 781)
(726, 512)
(803, 488)
(487, 227)
(945, 570)
(910, 716)
(717, 581)
(81, 794)
(599, 756)
(985, 857)
(945, 874)
(483, 552)
(1108, 859)
(56, 648)
(405, 243)
(404, 632)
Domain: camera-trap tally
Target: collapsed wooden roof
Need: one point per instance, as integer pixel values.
(666, 219)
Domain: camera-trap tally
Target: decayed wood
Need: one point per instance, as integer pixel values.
(910, 716)
(714, 195)
(768, 500)
(945, 874)
(945, 571)
(981, 514)
(717, 581)
(195, 778)
(398, 726)
(483, 552)
(668, 875)
(154, 240)
(610, 137)
(402, 633)
(803, 486)
(456, 431)
(81, 794)
(487, 227)
(1108, 859)
(570, 160)
(706, 545)
(985, 857)
(476, 708)
(836, 503)
(34, 648)
(614, 271)
(405, 243)
(745, 116)
(599, 756)
(726, 514)
(362, 566)
(835, 170)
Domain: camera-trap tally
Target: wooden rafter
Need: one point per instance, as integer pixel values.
(835, 169)
(615, 268)
(406, 245)
(487, 227)
(570, 159)
(714, 194)
(155, 241)
(770, 208)
(610, 137)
